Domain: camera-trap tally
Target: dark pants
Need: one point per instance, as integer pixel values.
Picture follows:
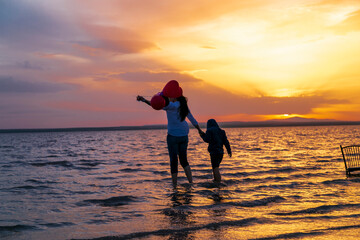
(216, 159)
(177, 146)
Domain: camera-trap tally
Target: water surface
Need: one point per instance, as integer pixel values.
(280, 183)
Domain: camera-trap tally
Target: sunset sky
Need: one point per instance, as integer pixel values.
(81, 63)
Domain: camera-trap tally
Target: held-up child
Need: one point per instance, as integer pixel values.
(216, 137)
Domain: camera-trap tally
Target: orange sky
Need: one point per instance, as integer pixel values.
(81, 63)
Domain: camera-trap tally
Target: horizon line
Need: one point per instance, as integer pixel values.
(227, 124)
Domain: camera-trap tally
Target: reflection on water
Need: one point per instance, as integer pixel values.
(280, 183)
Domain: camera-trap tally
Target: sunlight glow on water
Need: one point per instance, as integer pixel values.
(280, 183)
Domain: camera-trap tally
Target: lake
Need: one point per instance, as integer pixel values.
(281, 182)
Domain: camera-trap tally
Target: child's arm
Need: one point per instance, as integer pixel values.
(199, 129)
(227, 144)
(205, 136)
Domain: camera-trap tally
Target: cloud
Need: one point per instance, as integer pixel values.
(156, 77)
(211, 100)
(113, 39)
(26, 26)
(350, 24)
(27, 65)
(158, 14)
(331, 2)
(21, 65)
(10, 85)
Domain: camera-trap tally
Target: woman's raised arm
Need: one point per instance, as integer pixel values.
(142, 99)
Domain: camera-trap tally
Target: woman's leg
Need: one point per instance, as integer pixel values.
(183, 144)
(174, 179)
(187, 170)
(173, 152)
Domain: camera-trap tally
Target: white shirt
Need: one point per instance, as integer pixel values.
(175, 126)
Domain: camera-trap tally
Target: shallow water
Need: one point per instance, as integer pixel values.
(280, 183)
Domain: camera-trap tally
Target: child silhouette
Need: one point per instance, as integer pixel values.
(216, 137)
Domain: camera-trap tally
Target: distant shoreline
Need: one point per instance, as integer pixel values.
(203, 125)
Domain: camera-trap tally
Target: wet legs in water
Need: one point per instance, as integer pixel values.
(217, 176)
(188, 174)
(174, 179)
(187, 170)
(177, 147)
(215, 163)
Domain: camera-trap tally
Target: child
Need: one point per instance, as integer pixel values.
(216, 137)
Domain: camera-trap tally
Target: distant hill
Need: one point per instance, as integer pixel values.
(294, 121)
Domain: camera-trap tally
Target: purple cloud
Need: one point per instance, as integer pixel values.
(10, 85)
(24, 26)
(112, 39)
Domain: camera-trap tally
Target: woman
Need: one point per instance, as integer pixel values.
(178, 129)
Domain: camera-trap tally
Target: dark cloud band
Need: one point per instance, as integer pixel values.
(10, 85)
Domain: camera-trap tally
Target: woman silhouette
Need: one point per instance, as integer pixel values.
(177, 110)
